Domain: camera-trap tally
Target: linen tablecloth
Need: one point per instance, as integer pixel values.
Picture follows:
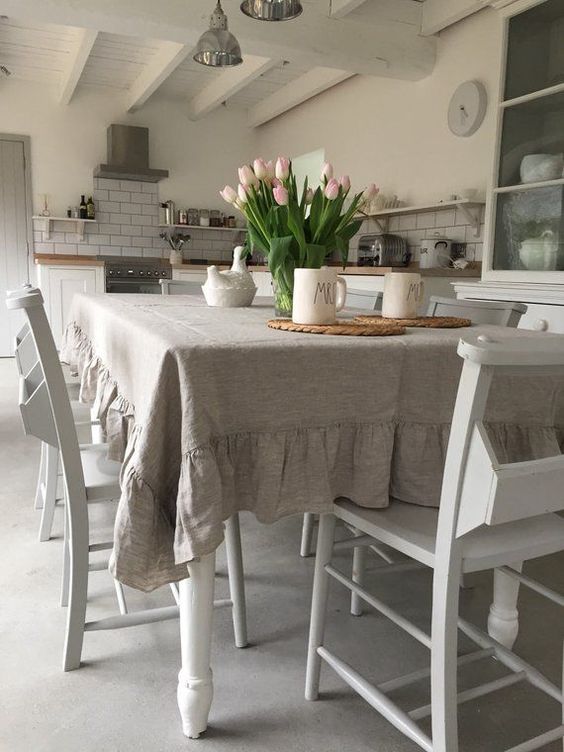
(214, 413)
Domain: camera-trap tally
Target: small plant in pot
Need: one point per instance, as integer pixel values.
(295, 227)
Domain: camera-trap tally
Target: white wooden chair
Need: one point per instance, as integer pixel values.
(367, 300)
(89, 477)
(46, 494)
(491, 515)
(478, 311)
(178, 287)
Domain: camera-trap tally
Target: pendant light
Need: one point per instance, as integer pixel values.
(217, 47)
(272, 10)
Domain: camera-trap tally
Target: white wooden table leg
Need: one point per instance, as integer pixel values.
(503, 621)
(195, 685)
(236, 579)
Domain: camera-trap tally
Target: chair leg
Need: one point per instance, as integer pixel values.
(444, 664)
(120, 595)
(307, 535)
(320, 595)
(65, 576)
(51, 466)
(78, 590)
(358, 567)
(503, 619)
(236, 579)
(40, 479)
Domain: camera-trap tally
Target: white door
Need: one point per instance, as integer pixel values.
(14, 223)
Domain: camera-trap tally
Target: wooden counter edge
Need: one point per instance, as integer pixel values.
(61, 259)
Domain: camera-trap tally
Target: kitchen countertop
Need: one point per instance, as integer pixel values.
(374, 271)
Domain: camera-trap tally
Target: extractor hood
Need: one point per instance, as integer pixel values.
(128, 156)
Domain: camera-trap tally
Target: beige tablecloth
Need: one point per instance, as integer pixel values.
(213, 413)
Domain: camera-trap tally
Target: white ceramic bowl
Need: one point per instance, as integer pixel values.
(535, 168)
(218, 297)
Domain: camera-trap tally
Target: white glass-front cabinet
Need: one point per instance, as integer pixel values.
(525, 240)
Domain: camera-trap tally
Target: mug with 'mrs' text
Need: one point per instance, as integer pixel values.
(318, 295)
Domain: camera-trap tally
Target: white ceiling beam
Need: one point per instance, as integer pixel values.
(228, 84)
(158, 69)
(340, 8)
(300, 90)
(77, 60)
(440, 14)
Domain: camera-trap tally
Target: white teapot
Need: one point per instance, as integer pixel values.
(539, 254)
(234, 288)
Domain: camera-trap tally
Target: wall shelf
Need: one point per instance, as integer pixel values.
(47, 224)
(200, 227)
(470, 209)
(529, 186)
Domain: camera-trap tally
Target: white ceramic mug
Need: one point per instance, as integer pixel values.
(318, 295)
(402, 295)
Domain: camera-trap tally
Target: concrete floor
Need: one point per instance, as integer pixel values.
(123, 697)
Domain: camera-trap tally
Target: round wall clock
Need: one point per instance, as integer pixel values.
(467, 108)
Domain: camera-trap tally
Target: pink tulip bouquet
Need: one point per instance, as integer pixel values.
(295, 228)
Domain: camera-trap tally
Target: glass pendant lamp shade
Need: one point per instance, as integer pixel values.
(272, 10)
(217, 47)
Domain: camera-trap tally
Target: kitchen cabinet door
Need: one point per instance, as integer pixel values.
(58, 285)
(186, 276)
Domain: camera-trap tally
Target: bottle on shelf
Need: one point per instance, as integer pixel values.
(83, 211)
(90, 209)
(69, 212)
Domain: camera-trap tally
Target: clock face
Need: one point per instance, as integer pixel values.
(467, 108)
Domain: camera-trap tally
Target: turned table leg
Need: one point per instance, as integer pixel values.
(503, 621)
(195, 683)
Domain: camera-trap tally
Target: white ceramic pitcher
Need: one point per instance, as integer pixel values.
(402, 294)
(318, 295)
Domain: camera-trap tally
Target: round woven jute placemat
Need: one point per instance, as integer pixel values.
(347, 328)
(429, 322)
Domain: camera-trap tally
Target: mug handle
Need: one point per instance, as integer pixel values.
(341, 293)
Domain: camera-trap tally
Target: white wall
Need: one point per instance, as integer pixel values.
(395, 133)
(67, 142)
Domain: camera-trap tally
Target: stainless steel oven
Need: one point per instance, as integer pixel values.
(136, 275)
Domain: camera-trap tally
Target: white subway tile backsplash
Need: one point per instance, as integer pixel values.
(150, 232)
(101, 195)
(150, 188)
(66, 248)
(106, 184)
(85, 249)
(456, 233)
(116, 240)
(110, 206)
(139, 198)
(131, 208)
(109, 229)
(119, 196)
(109, 250)
(120, 219)
(43, 247)
(132, 230)
(425, 221)
(129, 185)
(152, 210)
(407, 222)
(141, 219)
(149, 242)
(127, 251)
(394, 224)
(445, 217)
(98, 239)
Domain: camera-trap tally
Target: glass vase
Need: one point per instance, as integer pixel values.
(283, 296)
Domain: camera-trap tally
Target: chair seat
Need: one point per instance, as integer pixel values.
(101, 475)
(412, 530)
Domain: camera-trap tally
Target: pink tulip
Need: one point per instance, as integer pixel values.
(270, 170)
(242, 193)
(332, 189)
(309, 196)
(345, 183)
(260, 168)
(276, 183)
(327, 171)
(282, 168)
(281, 195)
(228, 194)
(247, 176)
(369, 193)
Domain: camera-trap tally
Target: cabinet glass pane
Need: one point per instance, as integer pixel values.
(529, 231)
(535, 53)
(535, 127)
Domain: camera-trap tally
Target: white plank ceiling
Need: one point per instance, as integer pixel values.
(68, 58)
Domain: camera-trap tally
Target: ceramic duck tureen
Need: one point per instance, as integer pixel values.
(233, 288)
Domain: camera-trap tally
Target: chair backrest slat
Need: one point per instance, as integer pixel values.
(24, 351)
(493, 494)
(478, 311)
(179, 287)
(37, 417)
